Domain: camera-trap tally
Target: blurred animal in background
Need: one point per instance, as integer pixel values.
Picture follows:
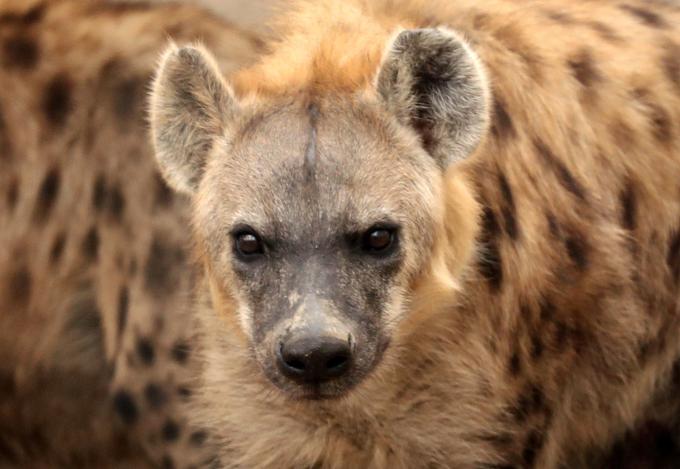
(94, 271)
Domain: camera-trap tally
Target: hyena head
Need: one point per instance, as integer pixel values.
(318, 214)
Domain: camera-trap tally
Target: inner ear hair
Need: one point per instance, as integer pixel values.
(432, 81)
(190, 103)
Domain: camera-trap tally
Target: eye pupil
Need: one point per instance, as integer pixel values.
(248, 244)
(379, 239)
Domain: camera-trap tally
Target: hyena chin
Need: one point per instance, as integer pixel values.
(317, 213)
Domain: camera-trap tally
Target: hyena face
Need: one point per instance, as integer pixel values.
(317, 213)
(317, 222)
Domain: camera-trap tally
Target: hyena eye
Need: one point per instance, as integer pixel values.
(378, 239)
(248, 244)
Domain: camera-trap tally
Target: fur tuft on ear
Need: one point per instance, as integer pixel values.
(433, 81)
(190, 103)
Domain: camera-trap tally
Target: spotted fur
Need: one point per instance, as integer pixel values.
(543, 322)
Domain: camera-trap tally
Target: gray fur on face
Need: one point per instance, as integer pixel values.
(432, 81)
(190, 104)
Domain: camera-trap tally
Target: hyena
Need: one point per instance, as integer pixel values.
(434, 234)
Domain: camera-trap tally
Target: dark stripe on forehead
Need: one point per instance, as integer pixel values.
(310, 151)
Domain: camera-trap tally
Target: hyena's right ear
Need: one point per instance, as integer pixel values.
(190, 103)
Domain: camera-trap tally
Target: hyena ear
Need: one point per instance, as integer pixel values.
(433, 81)
(190, 104)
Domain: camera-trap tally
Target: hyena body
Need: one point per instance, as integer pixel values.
(435, 234)
(93, 354)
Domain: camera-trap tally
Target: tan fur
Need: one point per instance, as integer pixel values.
(86, 224)
(547, 321)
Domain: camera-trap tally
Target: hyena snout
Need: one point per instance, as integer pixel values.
(311, 358)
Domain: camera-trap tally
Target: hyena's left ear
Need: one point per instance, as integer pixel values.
(190, 105)
(433, 81)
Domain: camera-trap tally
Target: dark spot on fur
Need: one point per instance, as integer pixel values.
(128, 95)
(47, 195)
(145, 350)
(20, 51)
(515, 365)
(57, 248)
(659, 119)
(180, 352)
(577, 249)
(19, 286)
(490, 262)
(584, 69)
(125, 406)
(553, 226)
(166, 462)
(547, 310)
(7, 384)
(57, 100)
(155, 396)
(164, 196)
(123, 307)
(170, 431)
(197, 438)
(532, 447)
(560, 17)
(121, 7)
(662, 126)
(502, 126)
(30, 17)
(530, 402)
(109, 198)
(561, 335)
(90, 246)
(536, 347)
(34, 14)
(12, 194)
(184, 392)
(645, 16)
(161, 268)
(564, 176)
(628, 207)
(673, 256)
(508, 209)
(605, 32)
(116, 203)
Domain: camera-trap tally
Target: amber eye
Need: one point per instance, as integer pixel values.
(378, 240)
(248, 244)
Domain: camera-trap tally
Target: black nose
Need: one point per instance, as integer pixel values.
(314, 359)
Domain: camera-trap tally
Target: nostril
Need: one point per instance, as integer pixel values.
(292, 362)
(296, 364)
(337, 361)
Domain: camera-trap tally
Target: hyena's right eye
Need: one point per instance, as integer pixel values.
(247, 244)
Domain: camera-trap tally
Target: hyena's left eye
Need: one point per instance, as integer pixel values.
(378, 239)
(248, 244)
